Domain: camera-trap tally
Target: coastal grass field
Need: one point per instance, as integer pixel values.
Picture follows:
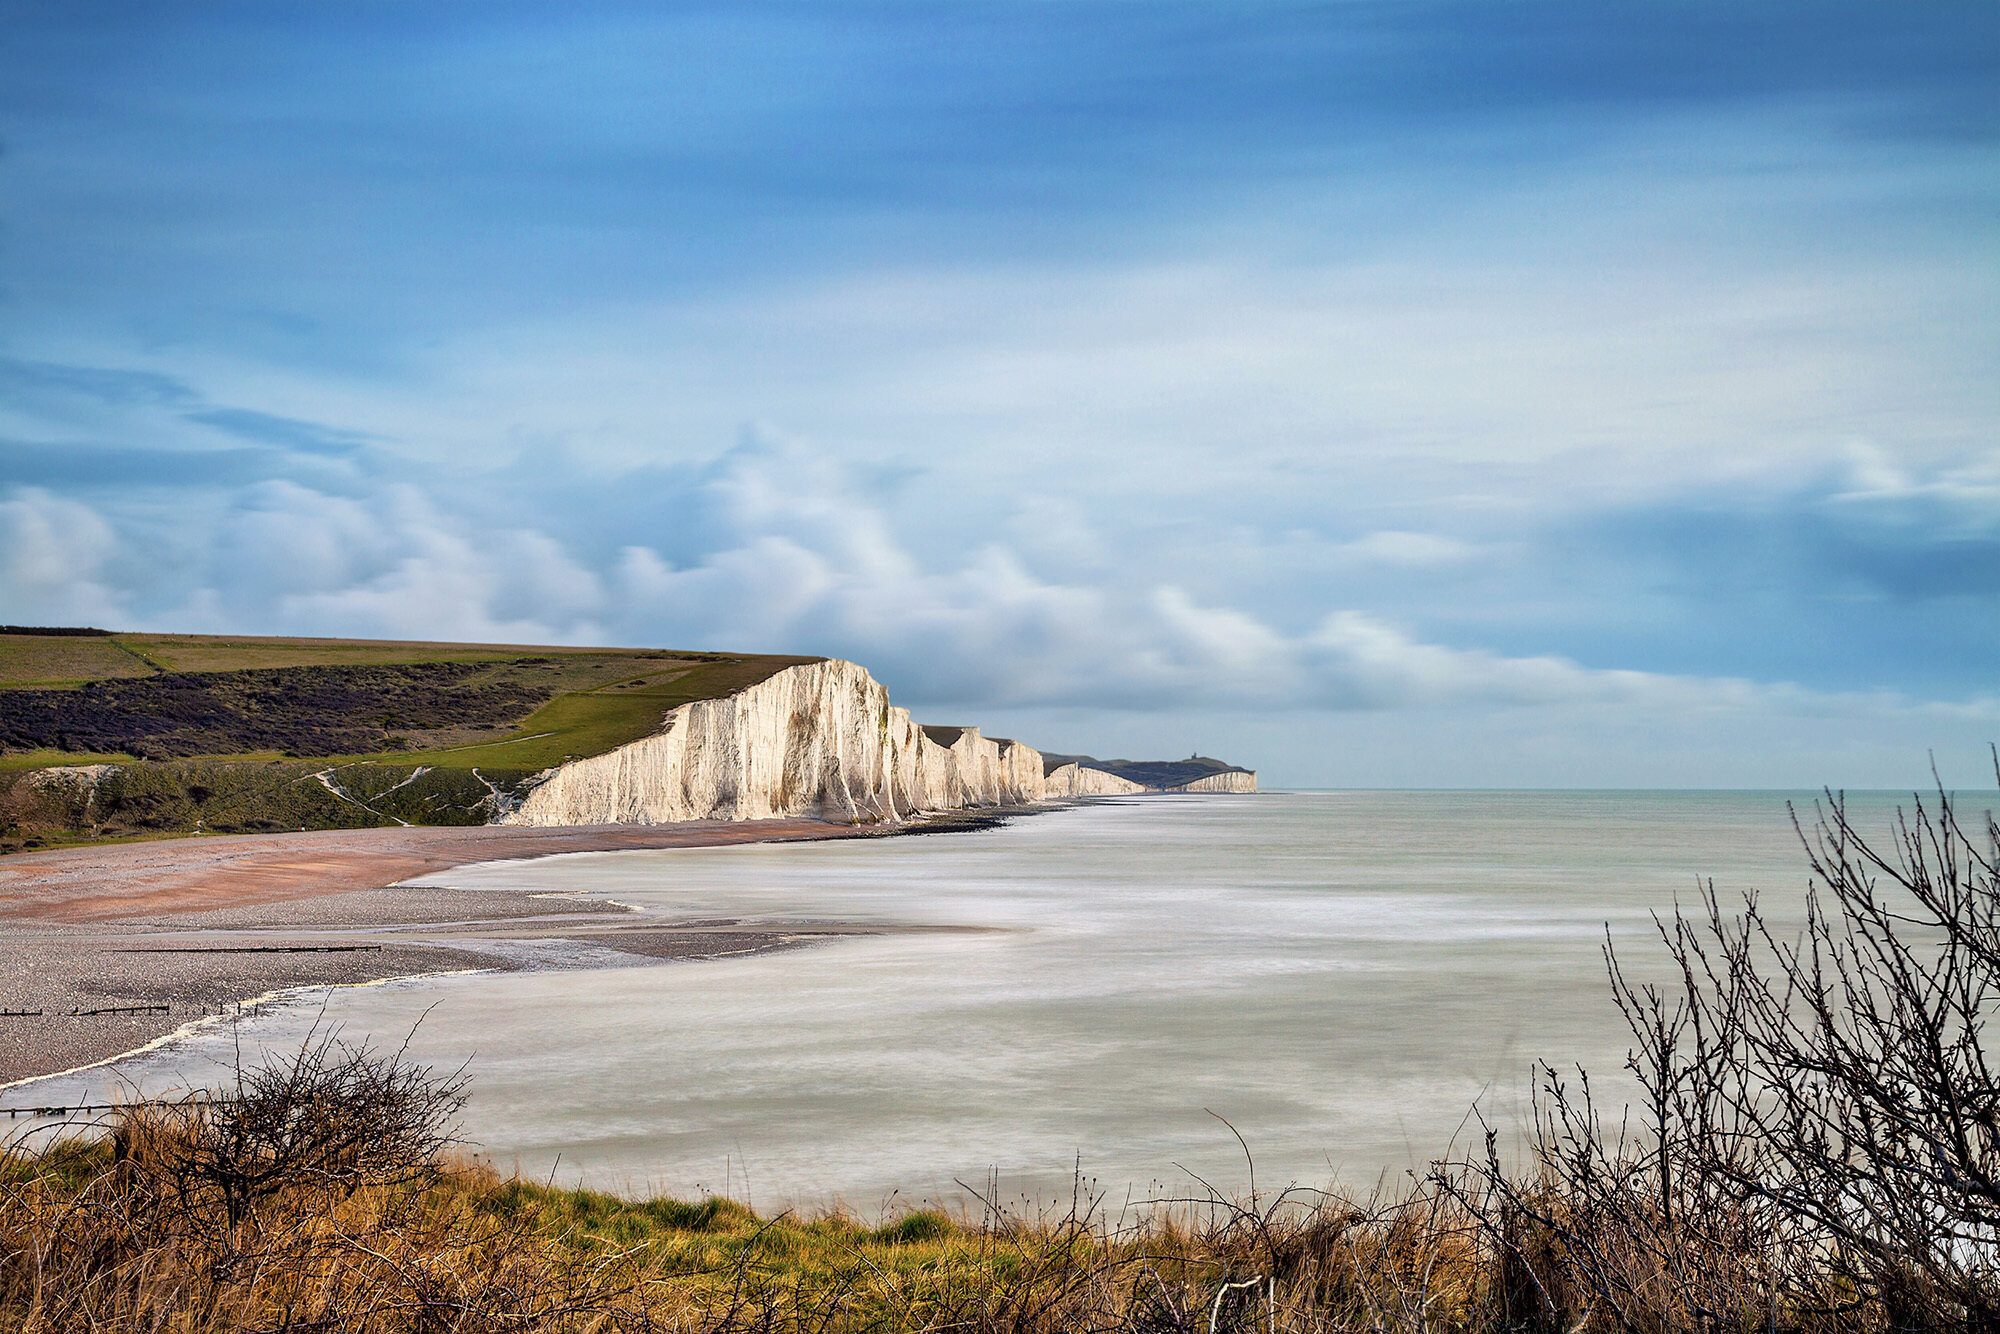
(234, 733)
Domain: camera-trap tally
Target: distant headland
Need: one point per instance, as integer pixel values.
(110, 735)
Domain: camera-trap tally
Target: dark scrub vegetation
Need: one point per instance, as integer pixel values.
(56, 631)
(292, 710)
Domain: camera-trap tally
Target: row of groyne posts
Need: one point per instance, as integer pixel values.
(81, 1012)
(66, 1111)
(220, 1008)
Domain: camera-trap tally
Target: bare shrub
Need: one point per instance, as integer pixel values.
(1819, 1125)
(328, 1120)
(315, 1194)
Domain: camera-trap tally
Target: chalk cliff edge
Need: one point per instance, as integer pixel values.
(819, 739)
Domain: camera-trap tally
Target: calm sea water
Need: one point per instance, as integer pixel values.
(1340, 975)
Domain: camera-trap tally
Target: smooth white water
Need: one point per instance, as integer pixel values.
(1340, 975)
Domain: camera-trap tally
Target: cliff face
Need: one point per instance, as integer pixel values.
(818, 739)
(1236, 780)
(1073, 780)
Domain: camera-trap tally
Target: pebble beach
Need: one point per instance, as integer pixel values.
(105, 949)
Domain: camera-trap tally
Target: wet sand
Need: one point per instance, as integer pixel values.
(156, 934)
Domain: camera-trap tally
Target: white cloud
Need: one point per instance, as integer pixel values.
(806, 561)
(291, 559)
(801, 556)
(1967, 488)
(1479, 362)
(1406, 550)
(52, 557)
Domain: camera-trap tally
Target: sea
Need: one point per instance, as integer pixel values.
(1143, 998)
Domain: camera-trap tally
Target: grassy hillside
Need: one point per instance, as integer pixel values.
(29, 659)
(234, 733)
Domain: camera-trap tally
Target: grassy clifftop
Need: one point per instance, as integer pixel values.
(241, 733)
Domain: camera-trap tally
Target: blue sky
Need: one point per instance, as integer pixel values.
(1424, 394)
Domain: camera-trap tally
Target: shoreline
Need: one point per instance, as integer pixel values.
(154, 936)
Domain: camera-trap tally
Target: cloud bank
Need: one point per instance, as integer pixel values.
(796, 553)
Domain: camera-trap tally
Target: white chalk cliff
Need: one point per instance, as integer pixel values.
(820, 739)
(1229, 780)
(1073, 780)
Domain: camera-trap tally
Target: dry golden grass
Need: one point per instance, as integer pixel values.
(113, 1236)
